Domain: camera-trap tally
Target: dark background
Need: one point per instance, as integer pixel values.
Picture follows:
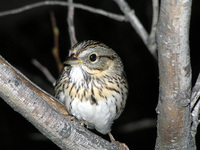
(28, 35)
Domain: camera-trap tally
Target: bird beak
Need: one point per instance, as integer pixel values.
(72, 61)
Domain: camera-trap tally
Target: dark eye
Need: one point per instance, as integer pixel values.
(93, 57)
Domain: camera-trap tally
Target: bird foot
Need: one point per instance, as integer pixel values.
(82, 122)
(122, 145)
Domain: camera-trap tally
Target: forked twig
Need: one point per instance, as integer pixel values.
(132, 18)
(137, 25)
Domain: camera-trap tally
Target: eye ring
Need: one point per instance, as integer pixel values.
(93, 57)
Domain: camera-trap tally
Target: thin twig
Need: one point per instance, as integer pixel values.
(155, 6)
(195, 118)
(60, 3)
(70, 20)
(195, 106)
(56, 42)
(44, 70)
(195, 93)
(132, 18)
(152, 36)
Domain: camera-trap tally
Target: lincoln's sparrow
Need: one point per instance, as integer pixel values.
(92, 85)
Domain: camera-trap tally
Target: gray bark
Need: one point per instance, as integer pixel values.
(174, 117)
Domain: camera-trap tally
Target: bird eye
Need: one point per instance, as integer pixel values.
(93, 57)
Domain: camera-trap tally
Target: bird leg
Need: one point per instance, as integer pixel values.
(122, 145)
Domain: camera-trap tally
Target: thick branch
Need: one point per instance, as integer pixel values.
(175, 76)
(47, 115)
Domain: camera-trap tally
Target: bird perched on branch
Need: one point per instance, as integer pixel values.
(92, 85)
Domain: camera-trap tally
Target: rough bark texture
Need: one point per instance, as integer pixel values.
(173, 109)
(45, 113)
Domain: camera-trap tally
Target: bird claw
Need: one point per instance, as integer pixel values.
(122, 145)
(72, 118)
(82, 122)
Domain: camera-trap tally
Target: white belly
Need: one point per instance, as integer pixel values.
(99, 116)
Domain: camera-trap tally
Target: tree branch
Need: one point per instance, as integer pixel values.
(174, 118)
(195, 106)
(61, 3)
(55, 50)
(132, 18)
(195, 93)
(70, 20)
(137, 25)
(152, 37)
(44, 70)
(45, 113)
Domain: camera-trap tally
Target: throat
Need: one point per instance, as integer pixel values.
(76, 74)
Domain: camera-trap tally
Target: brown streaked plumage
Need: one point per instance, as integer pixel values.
(92, 85)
